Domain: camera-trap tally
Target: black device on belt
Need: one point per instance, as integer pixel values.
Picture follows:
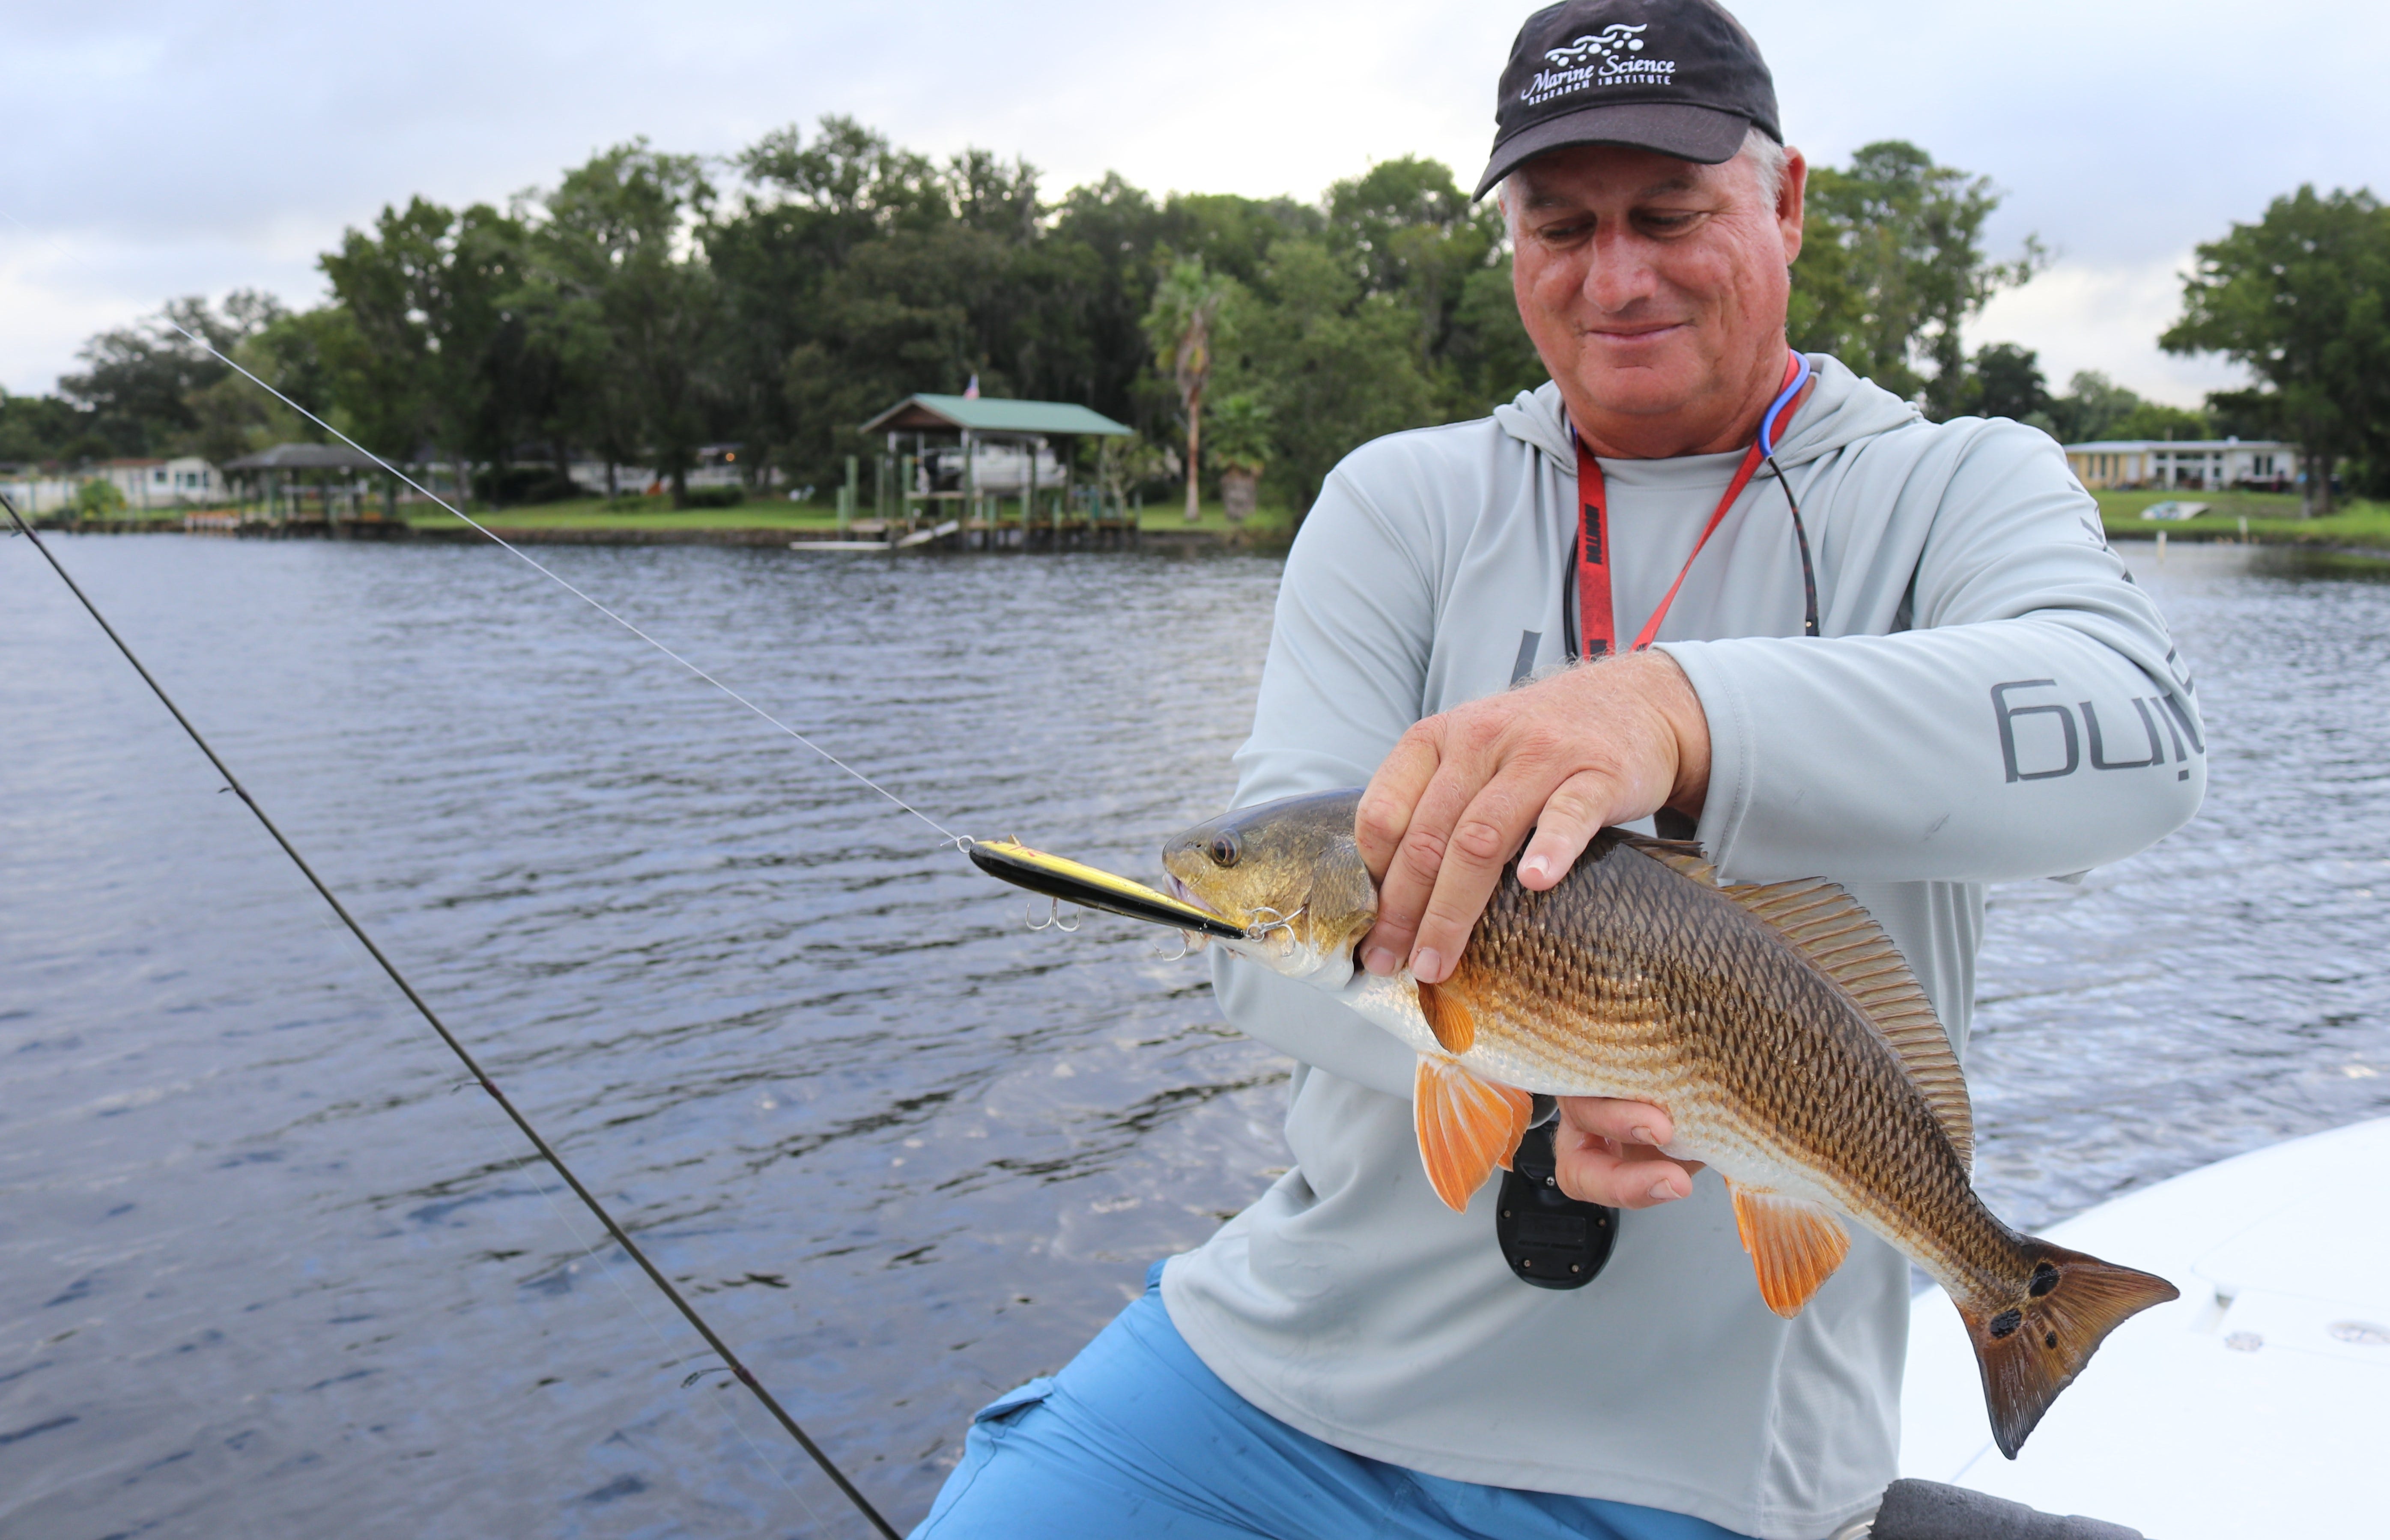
(1549, 1238)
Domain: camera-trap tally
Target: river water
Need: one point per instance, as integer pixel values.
(266, 1268)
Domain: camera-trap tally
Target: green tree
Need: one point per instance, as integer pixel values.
(1411, 233)
(2004, 381)
(46, 427)
(1892, 266)
(2154, 420)
(1241, 428)
(639, 320)
(1187, 306)
(2093, 407)
(2302, 300)
(803, 209)
(432, 343)
(1335, 364)
(139, 379)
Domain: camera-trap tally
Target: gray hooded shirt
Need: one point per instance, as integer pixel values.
(1990, 697)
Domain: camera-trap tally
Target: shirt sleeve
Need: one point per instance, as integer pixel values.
(1345, 677)
(2035, 721)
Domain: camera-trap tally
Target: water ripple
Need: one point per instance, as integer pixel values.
(272, 1266)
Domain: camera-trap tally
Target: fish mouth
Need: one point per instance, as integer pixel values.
(1093, 888)
(1187, 896)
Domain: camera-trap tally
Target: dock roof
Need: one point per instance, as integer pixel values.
(988, 413)
(304, 456)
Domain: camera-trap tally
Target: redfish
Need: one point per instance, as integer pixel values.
(1777, 1025)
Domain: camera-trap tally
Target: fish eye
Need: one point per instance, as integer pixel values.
(1223, 849)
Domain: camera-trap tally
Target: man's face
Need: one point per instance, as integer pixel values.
(1654, 288)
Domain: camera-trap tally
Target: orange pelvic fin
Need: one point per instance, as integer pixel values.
(1467, 1126)
(2032, 1344)
(1794, 1245)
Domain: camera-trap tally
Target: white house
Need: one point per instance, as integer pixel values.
(181, 481)
(2203, 465)
(184, 482)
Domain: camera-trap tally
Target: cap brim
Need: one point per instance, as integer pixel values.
(1689, 132)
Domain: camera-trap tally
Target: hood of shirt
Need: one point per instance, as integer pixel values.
(1840, 411)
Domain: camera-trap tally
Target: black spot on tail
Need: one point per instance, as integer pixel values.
(2072, 1302)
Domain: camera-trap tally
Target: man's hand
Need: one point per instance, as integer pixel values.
(1601, 743)
(1608, 1152)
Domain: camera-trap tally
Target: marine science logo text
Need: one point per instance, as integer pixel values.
(1611, 56)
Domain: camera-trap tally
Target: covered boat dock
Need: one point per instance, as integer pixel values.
(1000, 471)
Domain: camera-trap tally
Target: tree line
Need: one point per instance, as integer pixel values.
(651, 303)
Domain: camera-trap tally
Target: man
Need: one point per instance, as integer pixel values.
(1975, 692)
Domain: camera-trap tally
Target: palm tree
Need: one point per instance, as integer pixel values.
(1186, 307)
(1241, 447)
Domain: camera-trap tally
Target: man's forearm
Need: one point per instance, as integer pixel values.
(2008, 749)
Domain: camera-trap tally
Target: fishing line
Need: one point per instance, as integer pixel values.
(949, 836)
(472, 1066)
(946, 836)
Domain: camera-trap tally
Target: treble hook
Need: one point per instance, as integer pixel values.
(1053, 920)
(1274, 922)
(1189, 943)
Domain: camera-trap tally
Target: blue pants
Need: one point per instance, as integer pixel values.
(1137, 1437)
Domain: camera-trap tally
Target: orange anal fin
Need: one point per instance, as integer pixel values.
(1794, 1245)
(1467, 1126)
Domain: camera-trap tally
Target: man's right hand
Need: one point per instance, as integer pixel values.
(1608, 1151)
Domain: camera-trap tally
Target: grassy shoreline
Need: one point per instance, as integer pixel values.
(2273, 520)
(632, 520)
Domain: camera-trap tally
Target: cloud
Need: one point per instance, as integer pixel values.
(175, 146)
(2106, 317)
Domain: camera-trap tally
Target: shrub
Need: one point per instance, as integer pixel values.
(713, 498)
(518, 485)
(98, 499)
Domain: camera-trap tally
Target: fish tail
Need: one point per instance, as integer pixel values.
(2032, 1340)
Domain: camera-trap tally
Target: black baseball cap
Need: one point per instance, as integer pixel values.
(1677, 76)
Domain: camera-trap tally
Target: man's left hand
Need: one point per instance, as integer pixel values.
(1601, 743)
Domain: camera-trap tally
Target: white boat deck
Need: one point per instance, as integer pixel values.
(2256, 1405)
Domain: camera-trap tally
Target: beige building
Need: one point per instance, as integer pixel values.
(2199, 465)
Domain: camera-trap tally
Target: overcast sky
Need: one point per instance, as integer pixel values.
(158, 148)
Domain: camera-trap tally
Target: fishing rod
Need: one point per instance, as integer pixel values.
(464, 1056)
(1052, 877)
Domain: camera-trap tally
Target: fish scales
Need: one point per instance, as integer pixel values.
(1633, 980)
(1777, 1026)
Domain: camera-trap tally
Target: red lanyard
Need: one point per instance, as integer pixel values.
(1597, 628)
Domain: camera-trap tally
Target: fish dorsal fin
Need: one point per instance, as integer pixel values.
(1794, 1245)
(1682, 856)
(1847, 945)
(1467, 1126)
